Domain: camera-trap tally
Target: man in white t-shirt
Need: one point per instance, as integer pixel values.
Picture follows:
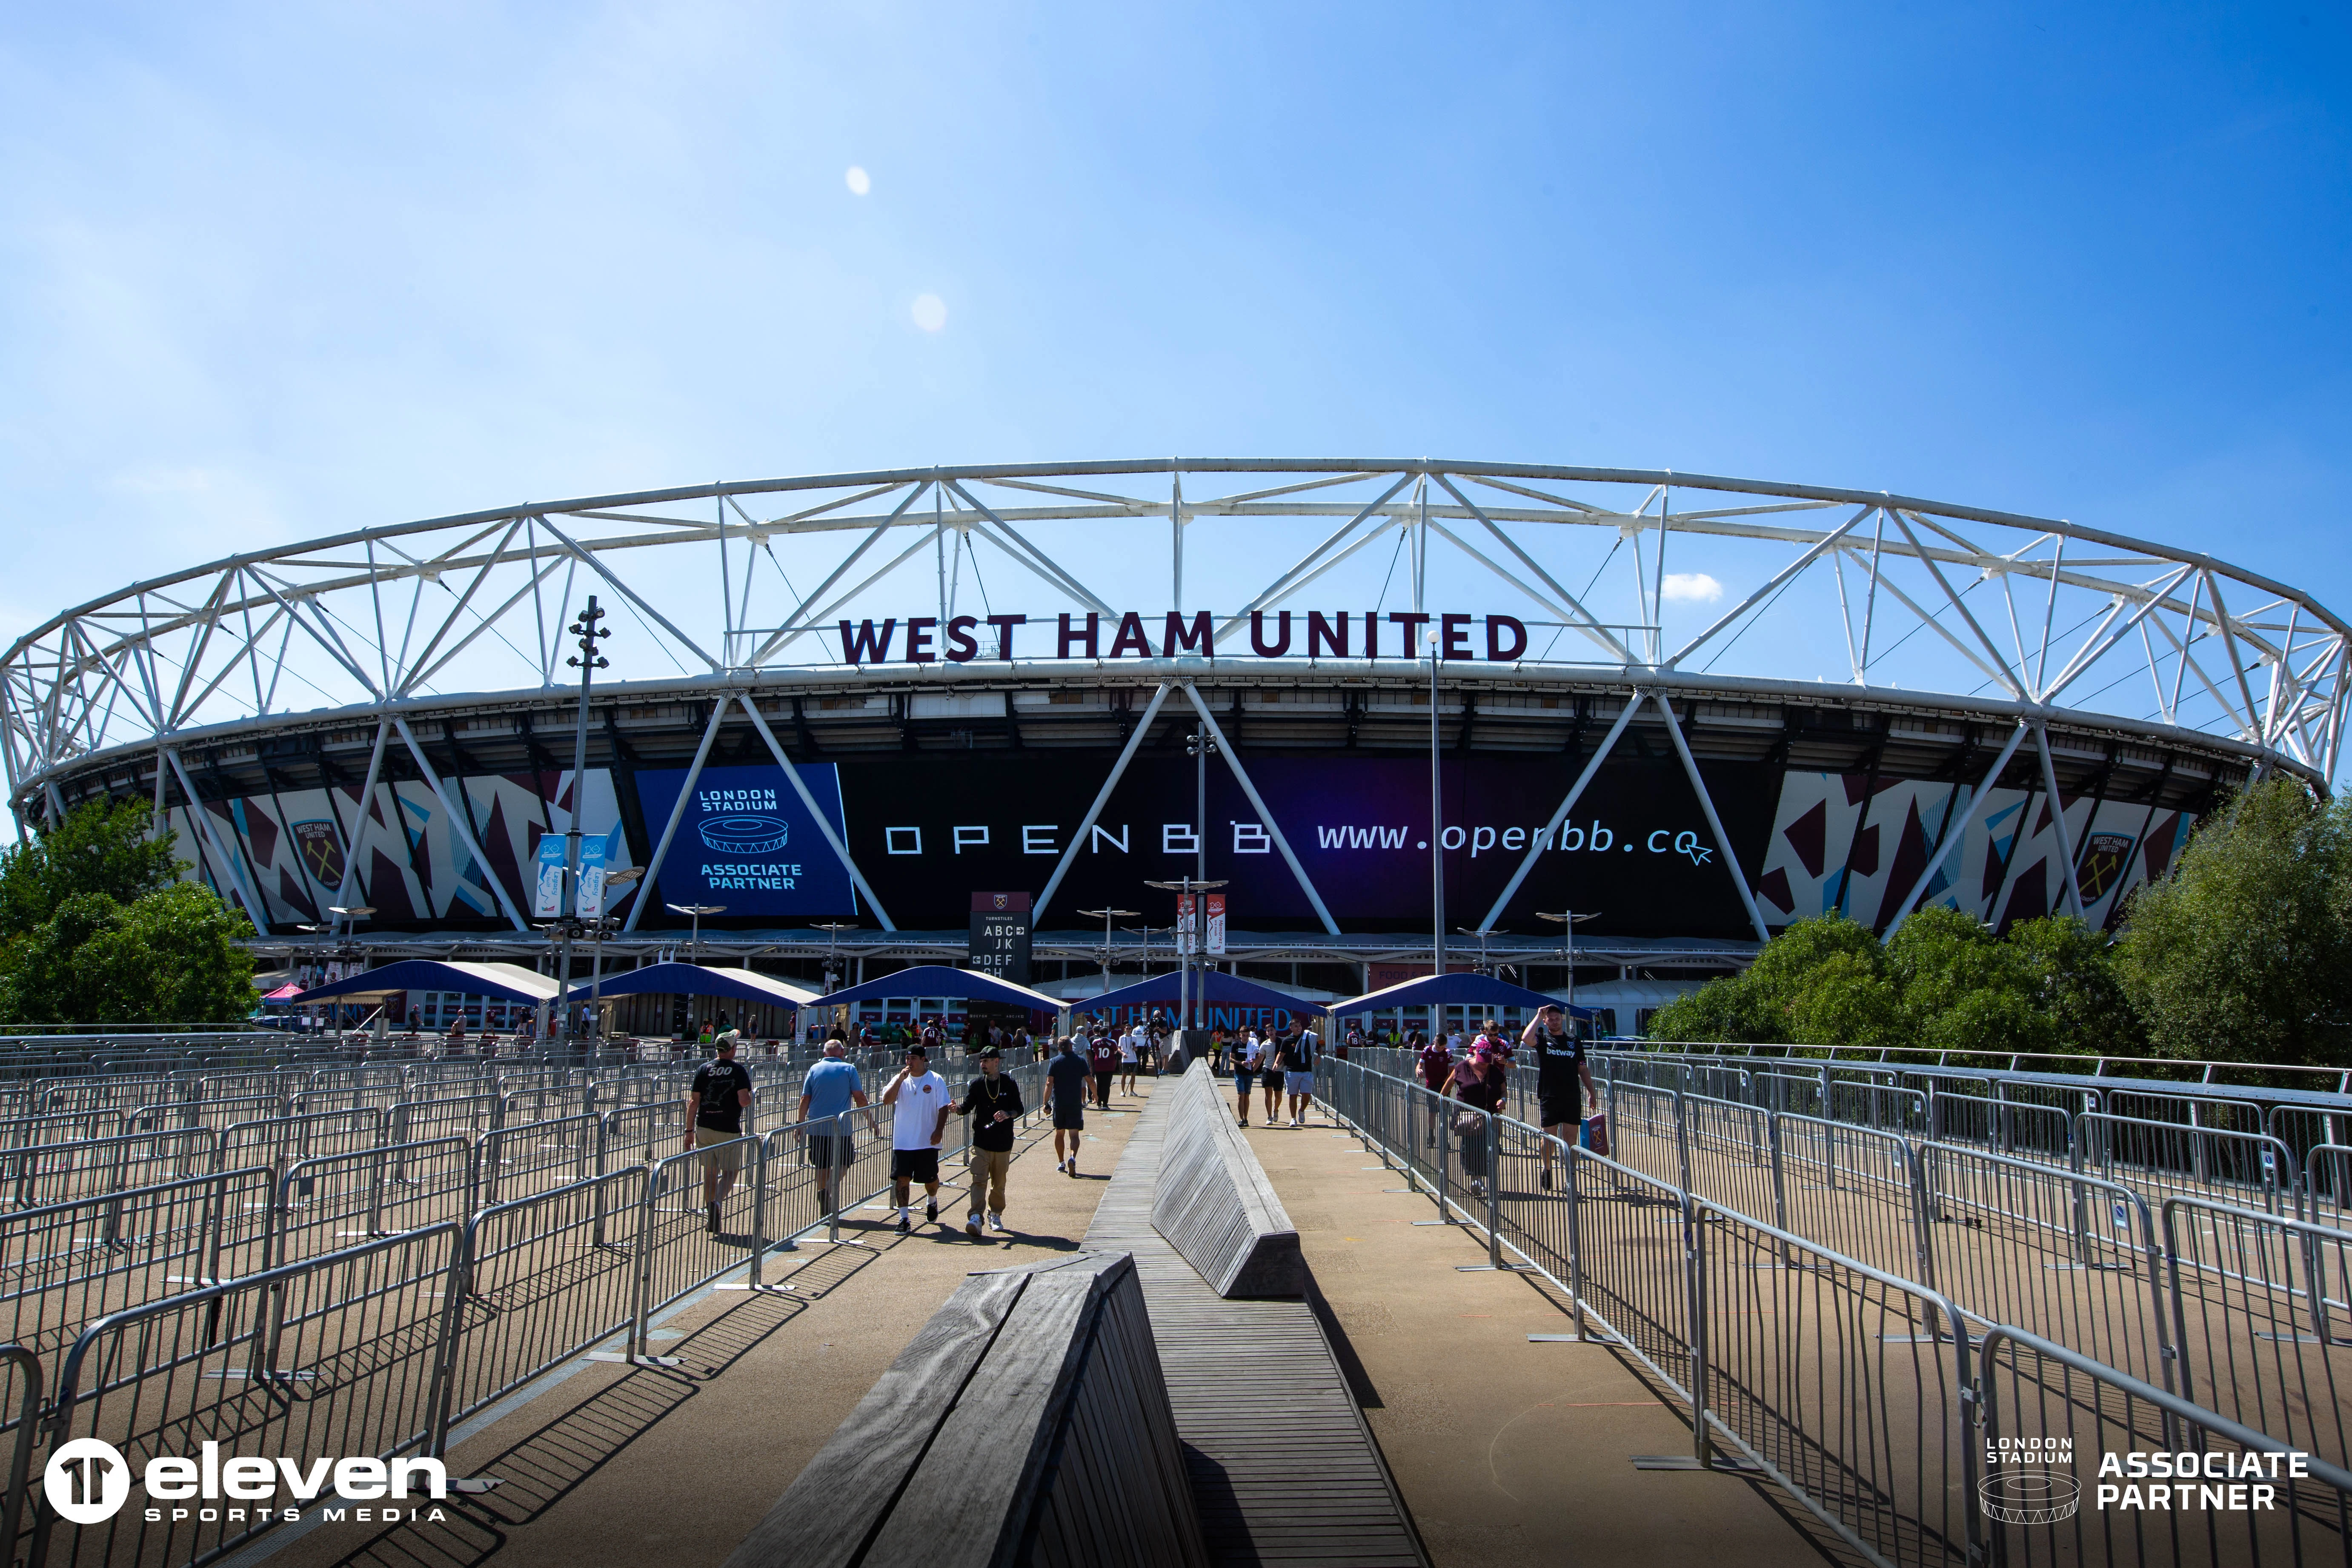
(1131, 1059)
(916, 1126)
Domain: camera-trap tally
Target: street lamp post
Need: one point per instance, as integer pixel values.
(698, 912)
(587, 661)
(1200, 746)
(344, 915)
(1181, 886)
(1436, 821)
(1568, 921)
(1107, 916)
(833, 930)
(605, 923)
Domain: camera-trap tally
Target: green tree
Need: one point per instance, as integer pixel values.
(1964, 989)
(171, 958)
(1725, 1010)
(2077, 984)
(101, 848)
(2245, 950)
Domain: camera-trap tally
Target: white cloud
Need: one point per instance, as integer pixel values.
(1695, 585)
(931, 313)
(858, 181)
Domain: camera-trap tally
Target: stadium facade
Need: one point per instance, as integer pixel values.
(1698, 707)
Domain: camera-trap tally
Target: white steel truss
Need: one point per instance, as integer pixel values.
(1994, 614)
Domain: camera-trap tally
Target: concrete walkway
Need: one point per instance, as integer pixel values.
(1507, 1452)
(624, 1464)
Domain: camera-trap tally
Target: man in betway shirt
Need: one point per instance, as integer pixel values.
(1560, 1069)
(714, 1110)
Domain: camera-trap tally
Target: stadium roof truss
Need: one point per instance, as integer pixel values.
(1672, 586)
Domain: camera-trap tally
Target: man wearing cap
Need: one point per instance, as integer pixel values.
(1560, 1069)
(922, 1100)
(994, 1102)
(714, 1117)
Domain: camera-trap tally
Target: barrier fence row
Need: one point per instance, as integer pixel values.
(440, 1295)
(1891, 1409)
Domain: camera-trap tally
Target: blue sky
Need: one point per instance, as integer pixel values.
(268, 272)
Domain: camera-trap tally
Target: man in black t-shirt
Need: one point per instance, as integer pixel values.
(1561, 1070)
(714, 1114)
(1067, 1077)
(993, 1100)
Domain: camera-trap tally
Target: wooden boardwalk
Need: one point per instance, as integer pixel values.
(1283, 1467)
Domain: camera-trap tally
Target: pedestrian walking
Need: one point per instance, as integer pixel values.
(1102, 1060)
(1131, 1059)
(1298, 1071)
(1562, 1078)
(1246, 1071)
(828, 1089)
(714, 1121)
(993, 1100)
(1270, 1075)
(1066, 1077)
(921, 1097)
(1477, 1082)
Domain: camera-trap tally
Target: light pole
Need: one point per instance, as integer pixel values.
(605, 923)
(566, 927)
(698, 912)
(1568, 921)
(1107, 916)
(344, 947)
(1436, 821)
(1198, 746)
(1181, 886)
(833, 930)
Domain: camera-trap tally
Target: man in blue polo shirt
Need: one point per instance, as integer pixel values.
(830, 1088)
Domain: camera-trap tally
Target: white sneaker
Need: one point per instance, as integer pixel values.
(996, 1222)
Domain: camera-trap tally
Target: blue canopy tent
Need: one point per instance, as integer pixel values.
(702, 980)
(1219, 988)
(939, 980)
(1464, 990)
(501, 982)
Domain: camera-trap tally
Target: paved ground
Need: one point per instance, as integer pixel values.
(1508, 1452)
(676, 1466)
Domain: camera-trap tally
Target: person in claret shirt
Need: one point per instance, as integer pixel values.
(1102, 1060)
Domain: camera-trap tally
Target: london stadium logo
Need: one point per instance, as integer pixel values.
(745, 835)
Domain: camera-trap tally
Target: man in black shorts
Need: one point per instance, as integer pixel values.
(714, 1116)
(1561, 1070)
(1067, 1079)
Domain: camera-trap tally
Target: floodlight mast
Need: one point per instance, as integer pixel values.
(587, 661)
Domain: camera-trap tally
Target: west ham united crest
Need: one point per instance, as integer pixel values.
(322, 851)
(2104, 860)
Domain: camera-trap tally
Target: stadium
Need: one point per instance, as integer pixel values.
(1402, 710)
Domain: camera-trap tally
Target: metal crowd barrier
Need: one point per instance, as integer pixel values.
(1851, 1383)
(334, 1356)
(364, 1303)
(2046, 1411)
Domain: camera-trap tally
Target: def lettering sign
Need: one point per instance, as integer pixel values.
(999, 935)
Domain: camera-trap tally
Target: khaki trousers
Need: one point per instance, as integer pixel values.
(987, 1169)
